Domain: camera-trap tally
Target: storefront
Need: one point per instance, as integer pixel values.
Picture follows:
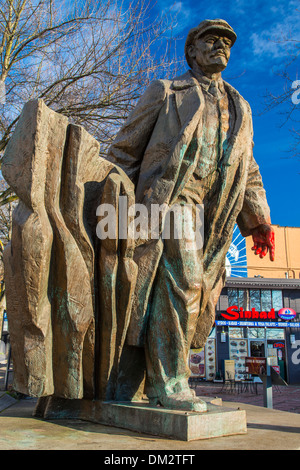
(255, 317)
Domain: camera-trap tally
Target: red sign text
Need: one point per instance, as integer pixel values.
(235, 313)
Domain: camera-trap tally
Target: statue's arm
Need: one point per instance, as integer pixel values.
(254, 219)
(255, 210)
(130, 143)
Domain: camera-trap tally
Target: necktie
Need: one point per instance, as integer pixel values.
(214, 89)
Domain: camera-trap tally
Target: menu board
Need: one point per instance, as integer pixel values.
(197, 362)
(210, 358)
(238, 352)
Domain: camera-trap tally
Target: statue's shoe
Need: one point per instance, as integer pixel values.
(180, 401)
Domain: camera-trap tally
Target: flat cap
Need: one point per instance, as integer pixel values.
(217, 25)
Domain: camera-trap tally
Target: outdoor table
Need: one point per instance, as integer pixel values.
(247, 385)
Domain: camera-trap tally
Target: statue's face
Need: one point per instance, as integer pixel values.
(211, 52)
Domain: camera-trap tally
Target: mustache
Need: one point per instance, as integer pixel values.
(219, 51)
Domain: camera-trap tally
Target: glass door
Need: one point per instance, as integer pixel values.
(279, 347)
(257, 348)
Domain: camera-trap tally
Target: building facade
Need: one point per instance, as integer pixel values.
(258, 312)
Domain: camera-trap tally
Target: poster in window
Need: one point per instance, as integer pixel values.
(2, 344)
(238, 351)
(197, 365)
(210, 359)
(229, 369)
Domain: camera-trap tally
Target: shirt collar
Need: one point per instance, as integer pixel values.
(205, 82)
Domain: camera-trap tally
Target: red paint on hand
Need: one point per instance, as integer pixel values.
(264, 241)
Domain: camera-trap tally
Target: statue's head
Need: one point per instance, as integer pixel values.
(208, 46)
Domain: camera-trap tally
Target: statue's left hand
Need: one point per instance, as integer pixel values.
(264, 241)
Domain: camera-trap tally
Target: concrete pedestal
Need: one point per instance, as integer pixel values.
(141, 417)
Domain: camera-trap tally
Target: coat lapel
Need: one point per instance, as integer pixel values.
(189, 106)
(232, 155)
(189, 101)
(188, 98)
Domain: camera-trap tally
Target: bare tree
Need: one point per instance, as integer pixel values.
(89, 60)
(7, 204)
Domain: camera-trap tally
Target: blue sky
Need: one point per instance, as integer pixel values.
(259, 53)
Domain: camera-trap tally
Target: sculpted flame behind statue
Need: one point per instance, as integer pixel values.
(110, 319)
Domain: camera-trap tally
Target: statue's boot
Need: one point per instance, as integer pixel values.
(184, 400)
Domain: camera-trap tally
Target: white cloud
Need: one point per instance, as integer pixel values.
(181, 12)
(279, 39)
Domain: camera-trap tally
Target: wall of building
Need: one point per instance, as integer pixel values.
(246, 271)
(290, 298)
(287, 256)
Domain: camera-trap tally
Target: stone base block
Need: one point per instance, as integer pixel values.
(141, 417)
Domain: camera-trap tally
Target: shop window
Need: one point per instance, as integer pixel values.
(232, 296)
(256, 333)
(236, 332)
(255, 299)
(275, 333)
(277, 303)
(265, 299)
(243, 298)
(238, 297)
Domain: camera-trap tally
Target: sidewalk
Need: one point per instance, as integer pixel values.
(276, 429)
(285, 398)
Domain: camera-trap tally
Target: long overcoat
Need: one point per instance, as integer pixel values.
(153, 149)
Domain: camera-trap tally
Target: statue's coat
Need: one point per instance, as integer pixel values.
(151, 148)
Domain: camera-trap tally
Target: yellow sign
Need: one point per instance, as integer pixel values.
(229, 369)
